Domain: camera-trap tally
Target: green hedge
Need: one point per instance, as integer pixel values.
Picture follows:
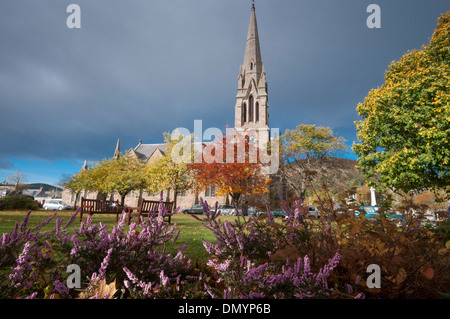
(19, 202)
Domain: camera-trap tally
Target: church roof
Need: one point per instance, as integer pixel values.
(145, 151)
(41, 193)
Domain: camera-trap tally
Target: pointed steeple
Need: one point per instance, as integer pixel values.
(83, 168)
(117, 152)
(252, 106)
(252, 60)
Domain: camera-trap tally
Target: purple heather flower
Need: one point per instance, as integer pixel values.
(164, 279)
(45, 222)
(4, 239)
(22, 263)
(256, 295)
(61, 288)
(46, 244)
(104, 264)
(32, 296)
(97, 294)
(359, 296)
(130, 275)
(24, 223)
(349, 289)
(306, 266)
(94, 277)
(209, 291)
(223, 266)
(58, 225)
(243, 261)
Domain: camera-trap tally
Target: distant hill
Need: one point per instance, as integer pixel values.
(46, 187)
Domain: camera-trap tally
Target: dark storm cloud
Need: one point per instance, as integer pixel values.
(137, 69)
(133, 71)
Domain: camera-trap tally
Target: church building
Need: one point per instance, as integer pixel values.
(251, 115)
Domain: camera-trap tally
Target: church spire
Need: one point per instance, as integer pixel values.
(252, 60)
(83, 168)
(252, 108)
(117, 152)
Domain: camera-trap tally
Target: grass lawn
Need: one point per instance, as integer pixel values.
(191, 230)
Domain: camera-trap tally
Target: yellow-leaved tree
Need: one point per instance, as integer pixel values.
(167, 174)
(404, 134)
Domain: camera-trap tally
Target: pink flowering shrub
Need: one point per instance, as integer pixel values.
(261, 257)
(34, 264)
(251, 257)
(32, 261)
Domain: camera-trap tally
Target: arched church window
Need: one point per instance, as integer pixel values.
(250, 108)
(244, 113)
(257, 112)
(251, 66)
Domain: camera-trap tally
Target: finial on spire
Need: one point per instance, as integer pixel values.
(253, 4)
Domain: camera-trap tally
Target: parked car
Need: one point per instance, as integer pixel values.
(369, 210)
(54, 204)
(313, 211)
(395, 216)
(228, 210)
(275, 213)
(279, 213)
(196, 209)
(372, 212)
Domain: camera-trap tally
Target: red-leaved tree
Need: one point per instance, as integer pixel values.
(233, 165)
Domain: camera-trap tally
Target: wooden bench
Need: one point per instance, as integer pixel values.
(147, 207)
(97, 206)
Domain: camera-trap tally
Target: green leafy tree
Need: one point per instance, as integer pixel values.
(76, 183)
(405, 128)
(122, 175)
(311, 142)
(167, 174)
(306, 152)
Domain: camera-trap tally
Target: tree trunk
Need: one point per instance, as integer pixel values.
(235, 200)
(77, 195)
(175, 196)
(140, 197)
(197, 201)
(122, 200)
(168, 195)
